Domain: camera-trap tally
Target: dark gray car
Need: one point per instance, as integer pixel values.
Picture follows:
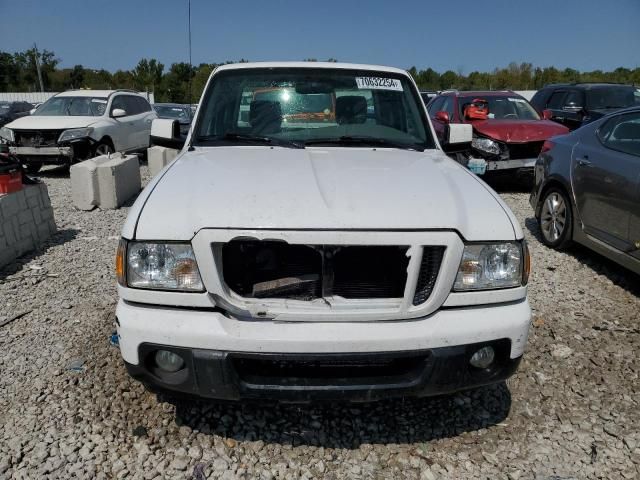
(587, 188)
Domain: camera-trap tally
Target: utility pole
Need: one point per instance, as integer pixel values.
(35, 47)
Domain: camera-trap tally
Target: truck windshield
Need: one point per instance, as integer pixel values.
(502, 107)
(73, 106)
(336, 107)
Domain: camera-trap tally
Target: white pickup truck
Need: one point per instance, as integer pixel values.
(318, 245)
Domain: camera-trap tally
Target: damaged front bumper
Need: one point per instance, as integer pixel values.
(305, 378)
(232, 359)
(63, 153)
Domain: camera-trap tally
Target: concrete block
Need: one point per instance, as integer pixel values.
(9, 205)
(159, 157)
(22, 199)
(24, 229)
(25, 217)
(84, 183)
(118, 180)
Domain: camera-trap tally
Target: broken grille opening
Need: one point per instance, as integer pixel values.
(37, 138)
(275, 269)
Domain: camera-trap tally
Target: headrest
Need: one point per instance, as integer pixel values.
(265, 116)
(351, 109)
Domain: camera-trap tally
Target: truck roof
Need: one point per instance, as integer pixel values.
(328, 65)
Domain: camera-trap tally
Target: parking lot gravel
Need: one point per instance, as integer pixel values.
(69, 410)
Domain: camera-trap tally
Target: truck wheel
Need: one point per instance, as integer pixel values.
(103, 148)
(33, 167)
(556, 219)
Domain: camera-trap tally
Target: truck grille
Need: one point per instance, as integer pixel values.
(273, 269)
(429, 268)
(37, 138)
(519, 151)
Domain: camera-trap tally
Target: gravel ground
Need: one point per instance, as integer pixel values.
(69, 410)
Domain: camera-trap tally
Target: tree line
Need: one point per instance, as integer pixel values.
(181, 82)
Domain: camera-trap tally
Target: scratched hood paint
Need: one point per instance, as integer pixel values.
(247, 187)
(519, 131)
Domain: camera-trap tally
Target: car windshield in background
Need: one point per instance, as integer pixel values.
(304, 106)
(612, 97)
(503, 107)
(175, 113)
(73, 107)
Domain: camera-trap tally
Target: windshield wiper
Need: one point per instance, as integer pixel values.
(364, 140)
(249, 138)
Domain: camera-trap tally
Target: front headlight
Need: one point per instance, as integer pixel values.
(485, 145)
(74, 133)
(7, 134)
(487, 266)
(160, 266)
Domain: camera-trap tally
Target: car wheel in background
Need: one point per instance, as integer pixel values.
(33, 167)
(103, 148)
(556, 219)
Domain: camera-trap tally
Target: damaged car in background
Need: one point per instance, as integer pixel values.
(299, 261)
(79, 124)
(508, 133)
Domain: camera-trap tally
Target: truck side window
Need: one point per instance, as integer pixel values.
(574, 99)
(556, 101)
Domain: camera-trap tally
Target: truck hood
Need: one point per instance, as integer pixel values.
(247, 187)
(45, 122)
(519, 131)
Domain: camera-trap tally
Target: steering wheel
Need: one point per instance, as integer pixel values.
(510, 115)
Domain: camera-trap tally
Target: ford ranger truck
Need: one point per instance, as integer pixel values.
(346, 260)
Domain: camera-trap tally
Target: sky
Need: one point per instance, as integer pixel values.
(460, 35)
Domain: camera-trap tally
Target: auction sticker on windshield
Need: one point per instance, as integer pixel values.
(378, 83)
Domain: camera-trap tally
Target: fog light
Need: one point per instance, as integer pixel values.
(169, 361)
(483, 357)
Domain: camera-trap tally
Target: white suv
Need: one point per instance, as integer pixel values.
(80, 124)
(319, 245)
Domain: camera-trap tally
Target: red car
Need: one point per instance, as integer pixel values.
(508, 132)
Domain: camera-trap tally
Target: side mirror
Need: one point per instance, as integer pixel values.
(443, 116)
(118, 112)
(459, 133)
(166, 133)
(547, 114)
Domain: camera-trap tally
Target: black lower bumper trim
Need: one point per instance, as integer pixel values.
(304, 378)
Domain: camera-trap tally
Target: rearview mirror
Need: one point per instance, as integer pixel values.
(118, 112)
(166, 133)
(547, 114)
(443, 116)
(313, 87)
(460, 133)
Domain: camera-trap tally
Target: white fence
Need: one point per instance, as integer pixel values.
(31, 97)
(39, 97)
